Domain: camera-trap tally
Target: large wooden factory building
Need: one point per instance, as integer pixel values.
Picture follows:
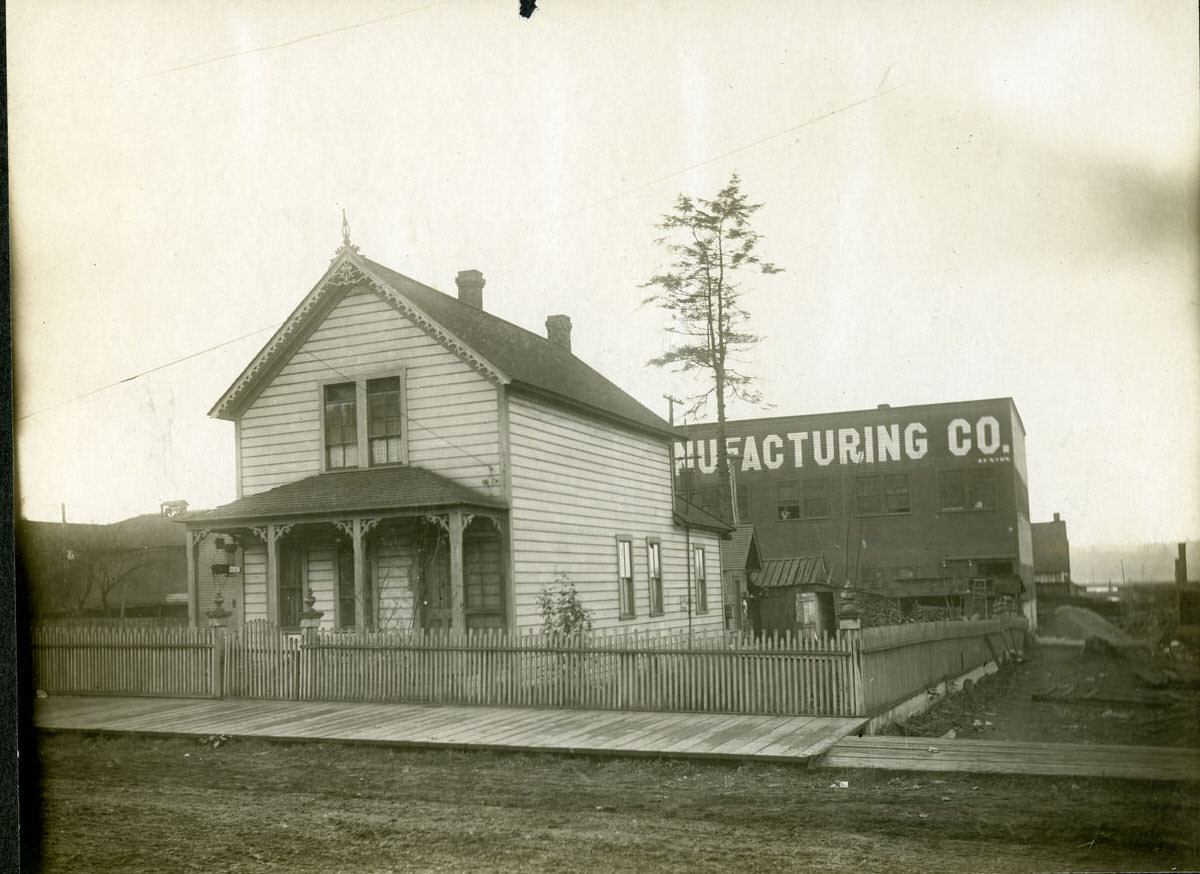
(926, 504)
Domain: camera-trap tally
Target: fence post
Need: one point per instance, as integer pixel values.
(310, 621)
(218, 617)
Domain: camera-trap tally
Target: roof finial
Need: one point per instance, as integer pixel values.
(347, 246)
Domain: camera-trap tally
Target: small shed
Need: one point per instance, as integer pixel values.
(792, 595)
(741, 562)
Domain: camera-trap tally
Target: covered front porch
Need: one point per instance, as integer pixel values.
(396, 548)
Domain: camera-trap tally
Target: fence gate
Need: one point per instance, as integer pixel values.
(260, 661)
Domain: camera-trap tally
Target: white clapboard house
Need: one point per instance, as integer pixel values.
(415, 462)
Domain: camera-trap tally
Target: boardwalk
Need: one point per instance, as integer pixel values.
(1009, 757)
(624, 733)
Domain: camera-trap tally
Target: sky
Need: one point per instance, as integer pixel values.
(968, 199)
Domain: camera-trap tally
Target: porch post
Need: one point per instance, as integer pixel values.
(193, 582)
(458, 612)
(360, 576)
(272, 575)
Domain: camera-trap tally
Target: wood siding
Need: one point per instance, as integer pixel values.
(451, 410)
(578, 483)
(254, 582)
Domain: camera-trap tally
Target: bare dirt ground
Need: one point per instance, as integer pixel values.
(1061, 694)
(130, 804)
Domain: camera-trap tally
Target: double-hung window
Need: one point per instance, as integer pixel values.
(787, 500)
(363, 422)
(625, 577)
(699, 573)
(385, 425)
(654, 565)
(341, 425)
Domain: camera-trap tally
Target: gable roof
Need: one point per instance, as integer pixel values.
(347, 491)
(502, 351)
(739, 549)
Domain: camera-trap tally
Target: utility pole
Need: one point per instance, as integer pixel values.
(671, 402)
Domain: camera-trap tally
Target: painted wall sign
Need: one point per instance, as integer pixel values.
(982, 438)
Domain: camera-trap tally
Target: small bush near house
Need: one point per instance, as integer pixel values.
(562, 611)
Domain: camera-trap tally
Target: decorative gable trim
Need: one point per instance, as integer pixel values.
(346, 272)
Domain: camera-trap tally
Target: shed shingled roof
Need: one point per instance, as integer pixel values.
(348, 491)
(803, 570)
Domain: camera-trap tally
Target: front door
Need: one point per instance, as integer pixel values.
(291, 585)
(435, 606)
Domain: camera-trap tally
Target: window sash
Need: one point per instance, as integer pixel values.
(950, 490)
(625, 578)
(981, 489)
(787, 501)
(816, 499)
(896, 494)
(654, 563)
(868, 498)
(701, 580)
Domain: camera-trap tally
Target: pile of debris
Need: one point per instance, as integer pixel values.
(1079, 625)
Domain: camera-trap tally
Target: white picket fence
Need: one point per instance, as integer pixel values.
(851, 674)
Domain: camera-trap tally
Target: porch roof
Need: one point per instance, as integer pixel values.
(801, 570)
(348, 491)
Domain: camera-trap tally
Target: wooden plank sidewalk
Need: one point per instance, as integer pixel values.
(796, 739)
(1010, 757)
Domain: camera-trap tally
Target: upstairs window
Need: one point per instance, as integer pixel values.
(895, 493)
(787, 501)
(654, 564)
(950, 490)
(625, 577)
(816, 499)
(341, 425)
(868, 498)
(385, 424)
(981, 489)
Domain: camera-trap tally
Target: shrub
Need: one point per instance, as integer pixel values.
(562, 611)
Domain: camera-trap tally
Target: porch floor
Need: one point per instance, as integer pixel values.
(604, 732)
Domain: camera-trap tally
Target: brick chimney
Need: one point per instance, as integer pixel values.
(558, 330)
(470, 288)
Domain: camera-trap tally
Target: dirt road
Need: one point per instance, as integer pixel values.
(139, 805)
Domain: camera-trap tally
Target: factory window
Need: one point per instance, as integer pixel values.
(875, 495)
(967, 490)
(950, 490)
(868, 495)
(787, 500)
(895, 493)
(981, 489)
(816, 499)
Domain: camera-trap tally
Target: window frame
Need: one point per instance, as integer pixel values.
(626, 589)
(401, 415)
(325, 404)
(654, 581)
(821, 491)
(788, 503)
(700, 578)
(362, 419)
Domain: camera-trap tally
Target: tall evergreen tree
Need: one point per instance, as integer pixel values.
(714, 246)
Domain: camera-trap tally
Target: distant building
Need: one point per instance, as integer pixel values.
(925, 504)
(134, 568)
(1051, 558)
